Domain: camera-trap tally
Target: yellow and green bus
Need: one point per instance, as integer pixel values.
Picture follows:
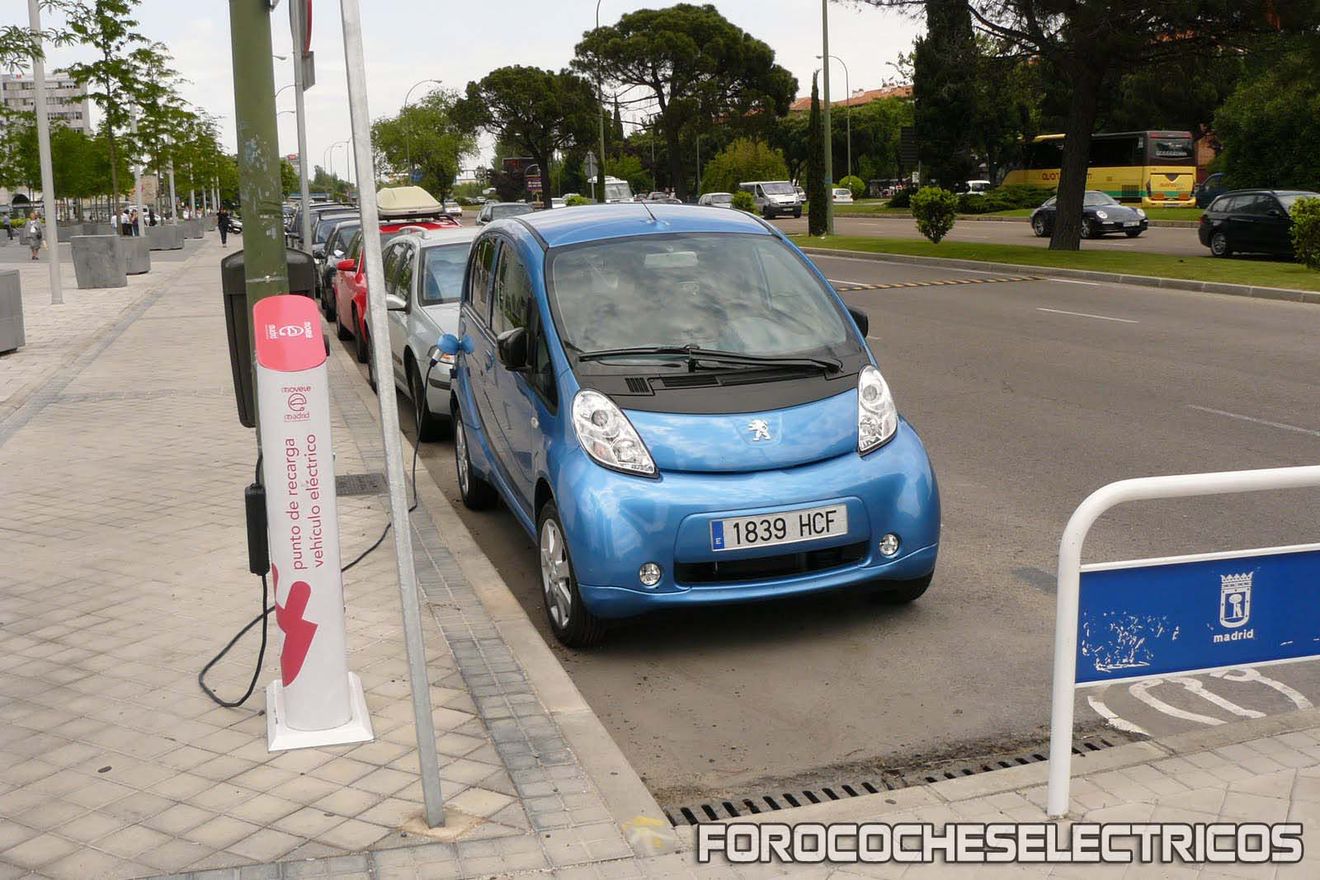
(1152, 167)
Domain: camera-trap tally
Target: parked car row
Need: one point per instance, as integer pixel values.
(678, 413)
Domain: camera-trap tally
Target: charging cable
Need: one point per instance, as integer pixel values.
(259, 564)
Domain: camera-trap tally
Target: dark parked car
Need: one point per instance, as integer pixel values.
(1101, 214)
(1209, 189)
(1251, 221)
(336, 248)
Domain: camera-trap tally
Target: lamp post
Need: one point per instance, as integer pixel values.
(600, 98)
(847, 87)
(829, 158)
(698, 164)
(44, 159)
(407, 129)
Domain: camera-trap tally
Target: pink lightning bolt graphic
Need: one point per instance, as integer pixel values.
(298, 631)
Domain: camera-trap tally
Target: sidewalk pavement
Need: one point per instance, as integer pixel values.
(121, 473)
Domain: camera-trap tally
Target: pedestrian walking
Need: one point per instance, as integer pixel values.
(222, 224)
(124, 227)
(151, 216)
(34, 233)
(137, 223)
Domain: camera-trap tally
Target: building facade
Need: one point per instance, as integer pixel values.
(66, 101)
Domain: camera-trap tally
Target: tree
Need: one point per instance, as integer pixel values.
(1087, 44)
(817, 191)
(1268, 126)
(115, 80)
(692, 67)
(944, 88)
(538, 112)
(790, 136)
(628, 167)
(426, 137)
(744, 159)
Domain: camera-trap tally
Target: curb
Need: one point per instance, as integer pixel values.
(1279, 293)
(630, 802)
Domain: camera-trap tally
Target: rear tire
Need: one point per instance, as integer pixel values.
(573, 625)
(1219, 246)
(363, 353)
(1039, 227)
(902, 592)
(476, 493)
(340, 330)
(1088, 229)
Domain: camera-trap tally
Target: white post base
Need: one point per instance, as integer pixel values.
(281, 737)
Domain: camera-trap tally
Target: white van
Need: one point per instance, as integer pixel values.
(617, 190)
(774, 197)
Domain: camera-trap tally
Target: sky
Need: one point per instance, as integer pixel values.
(455, 42)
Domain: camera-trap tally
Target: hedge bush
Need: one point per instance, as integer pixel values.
(574, 200)
(1004, 198)
(743, 201)
(855, 184)
(935, 210)
(901, 199)
(1306, 232)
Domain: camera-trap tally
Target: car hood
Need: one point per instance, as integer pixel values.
(443, 315)
(1115, 212)
(728, 443)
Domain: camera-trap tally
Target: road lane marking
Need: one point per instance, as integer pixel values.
(815, 257)
(1075, 281)
(855, 286)
(1198, 688)
(1087, 315)
(1230, 415)
(1113, 720)
(1141, 689)
(1299, 700)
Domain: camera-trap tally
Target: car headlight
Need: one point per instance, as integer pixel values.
(1102, 215)
(1141, 213)
(607, 435)
(439, 357)
(877, 415)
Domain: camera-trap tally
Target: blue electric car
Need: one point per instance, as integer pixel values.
(680, 410)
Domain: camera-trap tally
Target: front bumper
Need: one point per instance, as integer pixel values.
(1110, 226)
(439, 390)
(614, 523)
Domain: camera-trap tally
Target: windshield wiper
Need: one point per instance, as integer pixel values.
(696, 355)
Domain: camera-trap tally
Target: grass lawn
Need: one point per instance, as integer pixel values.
(1236, 270)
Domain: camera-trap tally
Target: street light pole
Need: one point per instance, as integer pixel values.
(600, 97)
(43, 150)
(847, 107)
(407, 129)
(829, 146)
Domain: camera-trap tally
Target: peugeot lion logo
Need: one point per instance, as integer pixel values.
(760, 429)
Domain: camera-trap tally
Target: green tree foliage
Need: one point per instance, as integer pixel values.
(424, 136)
(945, 68)
(790, 136)
(1306, 231)
(743, 201)
(115, 78)
(1087, 44)
(1269, 127)
(744, 159)
(817, 191)
(935, 210)
(538, 112)
(875, 134)
(629, 167)
(855, 185)
(690, 66)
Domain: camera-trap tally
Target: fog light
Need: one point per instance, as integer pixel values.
(649, 574)
(889, 544)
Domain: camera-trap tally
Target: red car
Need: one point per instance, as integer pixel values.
(351, 279)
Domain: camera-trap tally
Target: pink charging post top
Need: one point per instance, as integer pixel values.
(288, 330)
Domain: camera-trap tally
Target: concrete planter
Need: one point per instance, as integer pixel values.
(191, 228)
(69, 230)
(208, 223)
(164, 238)
(11, 311)
(134, 255)
(98, 229)
(97, 262)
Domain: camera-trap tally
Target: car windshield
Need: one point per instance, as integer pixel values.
(324, 228)
(498, 212)
(342, 235)
(721, 199)
(1290, 199)
(778, 189)
(841, 191)
(442, 273)
(748, 294)
(1096, 199)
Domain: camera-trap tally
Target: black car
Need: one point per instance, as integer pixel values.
(1209, 189)
(327, 264)
(1101, 214)
(1251, 221)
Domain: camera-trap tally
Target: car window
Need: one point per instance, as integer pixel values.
(389, 261)
(1256, 204)
(743, 293)
(442, 273)
(1224, 204)
(499, 212)
(1097, 199)
(1290, 199)
(513, 291)
(478, 287)
(1049, 203)
(541, 374)
(355, 247)
(403, 275)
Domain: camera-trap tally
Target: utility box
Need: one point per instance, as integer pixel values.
(233, 283)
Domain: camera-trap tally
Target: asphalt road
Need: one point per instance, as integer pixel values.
(1158, 239)
(1029, 396)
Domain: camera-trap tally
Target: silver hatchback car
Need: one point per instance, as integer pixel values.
(423, 286)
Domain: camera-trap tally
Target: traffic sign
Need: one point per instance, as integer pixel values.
(534, 184)
(589, 166)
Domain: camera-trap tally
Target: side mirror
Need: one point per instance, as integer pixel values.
(512, 348)
(1275, 212)
(346, 265)
(862, 320)
(395, 303)
(318, 250)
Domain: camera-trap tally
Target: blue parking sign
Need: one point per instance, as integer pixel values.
(1190, 614)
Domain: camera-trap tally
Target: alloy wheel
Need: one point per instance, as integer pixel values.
(555, 572)
(461, 456)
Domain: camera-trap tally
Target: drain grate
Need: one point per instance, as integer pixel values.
(733, 808)
(359, 484)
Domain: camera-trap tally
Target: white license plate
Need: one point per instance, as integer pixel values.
(790, 527)
(1133, 223)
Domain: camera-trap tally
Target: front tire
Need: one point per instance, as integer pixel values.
(430, 427)
(476, 493)
(573, 625)
(797, 215)
(1039, 227)
(902, 592)
(768, 214)
(1088, 229)
(1219, 246)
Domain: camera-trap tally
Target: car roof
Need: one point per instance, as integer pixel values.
(595, 222)
(448, 236)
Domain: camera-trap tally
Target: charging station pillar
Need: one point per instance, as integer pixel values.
(316, 701)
